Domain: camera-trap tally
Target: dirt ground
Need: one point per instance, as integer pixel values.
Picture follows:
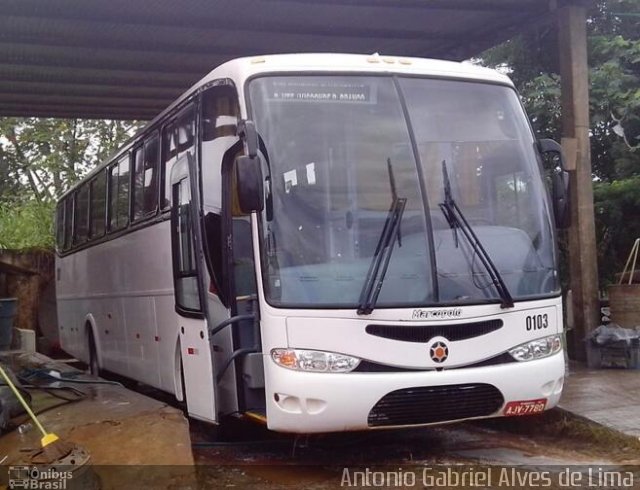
(517, 452)
(554, 442)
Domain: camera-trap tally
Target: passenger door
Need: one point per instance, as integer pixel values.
(195, 351)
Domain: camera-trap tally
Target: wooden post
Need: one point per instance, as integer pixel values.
(574, 72)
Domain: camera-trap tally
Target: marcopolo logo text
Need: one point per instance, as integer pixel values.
(440, 314)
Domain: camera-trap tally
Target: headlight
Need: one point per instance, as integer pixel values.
(314, 360)
(537, 349)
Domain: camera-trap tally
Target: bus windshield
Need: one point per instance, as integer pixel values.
(342, 149)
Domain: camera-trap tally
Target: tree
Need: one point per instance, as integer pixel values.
(614, 59)
(46, 156)
(40, 159)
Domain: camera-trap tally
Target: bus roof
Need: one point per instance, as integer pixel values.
(333, 62)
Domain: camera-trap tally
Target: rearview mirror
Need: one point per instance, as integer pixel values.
(559, 183)
(550, 147)
(560, 196)
(249, 183)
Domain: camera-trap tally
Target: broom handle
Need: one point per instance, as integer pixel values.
(22, 401)
(634, 254)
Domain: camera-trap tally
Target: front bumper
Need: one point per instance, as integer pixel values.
(303, 402)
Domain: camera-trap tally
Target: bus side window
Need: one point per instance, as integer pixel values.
(60, 225)
(186, 274)
(138, 182)
(81, 229)
(68, 222)
(145, 180)
(169, 157)
(119, 194)
(178, 137)
(186, 131)
(151, 155)
(220, 112)
(98, 206)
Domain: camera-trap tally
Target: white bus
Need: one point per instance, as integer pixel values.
(325, 242)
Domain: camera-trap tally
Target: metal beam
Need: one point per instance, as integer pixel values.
(76, 89)
(93, 59)
(306, 22)
(102, 57)
(82, 101)
(431, 5)
(97, 76)
(119, 37)
(72, 112)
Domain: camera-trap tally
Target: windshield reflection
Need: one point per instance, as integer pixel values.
(329, 139)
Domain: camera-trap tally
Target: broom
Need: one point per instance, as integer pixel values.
(53, 448)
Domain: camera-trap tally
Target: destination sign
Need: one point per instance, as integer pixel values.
(321, 92)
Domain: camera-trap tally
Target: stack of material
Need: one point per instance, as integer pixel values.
(614, 346)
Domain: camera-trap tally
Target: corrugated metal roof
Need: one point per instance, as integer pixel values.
(130, 58)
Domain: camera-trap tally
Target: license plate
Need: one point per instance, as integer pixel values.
(525, 407)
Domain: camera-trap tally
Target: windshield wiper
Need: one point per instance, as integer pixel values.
(382, 254)
(456, 221)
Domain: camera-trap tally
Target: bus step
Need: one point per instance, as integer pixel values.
(259, 417)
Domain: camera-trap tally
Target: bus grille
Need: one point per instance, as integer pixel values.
(430, 404)
(424, 333)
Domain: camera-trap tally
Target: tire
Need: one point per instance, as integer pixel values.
(184, 388)
(94, 367)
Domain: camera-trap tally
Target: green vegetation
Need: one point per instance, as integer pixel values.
(614, 57)
(40, 159)
(27, 224)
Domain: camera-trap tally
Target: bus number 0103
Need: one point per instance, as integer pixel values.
(537, 322)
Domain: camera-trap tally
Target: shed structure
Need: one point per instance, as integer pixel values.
(128, 59)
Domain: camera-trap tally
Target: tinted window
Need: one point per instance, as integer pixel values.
(98, 206)
(138, 182)
(186, 280)
(145, 186)
(60, 225)
(119, 197)
(169, 157)
(220, 113)
(178, 138)
(186, 131)
(68, 222)
(81, 229)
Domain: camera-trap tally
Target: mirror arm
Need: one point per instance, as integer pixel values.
(247, 132)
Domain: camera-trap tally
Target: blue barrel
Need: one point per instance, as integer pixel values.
(8, 307)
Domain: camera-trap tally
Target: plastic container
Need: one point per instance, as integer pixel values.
(8, 307)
